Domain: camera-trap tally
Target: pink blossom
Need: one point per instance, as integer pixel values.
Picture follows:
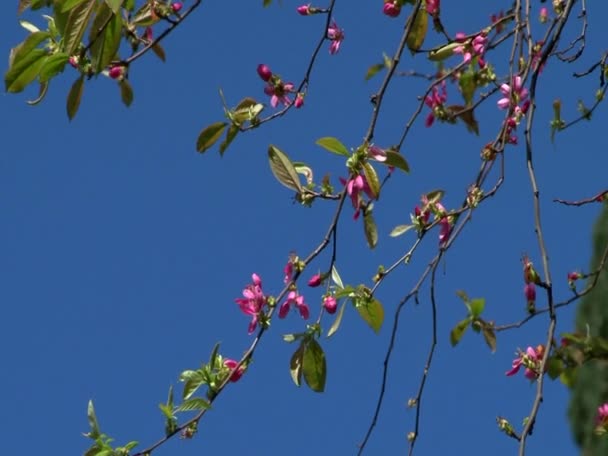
(376, 153)
(315, 280)
(330, 304)
(296, 299)
(543, 15)
(237, 374)
(391, 8)
(176, 6)
(299, 101)
(354, 187)
(513, 93)
(336, 35)
(304, 10)
(436, 101)
(288, 271)
(445, 229)
(432, 7)
(279, 92)
(73, 61)
(530, 360)
(264, 72)
(602, 414)
(422, 216)
(253, 301)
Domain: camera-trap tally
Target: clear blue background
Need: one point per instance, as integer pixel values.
(122, 249)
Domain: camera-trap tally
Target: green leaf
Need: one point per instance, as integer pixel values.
(372, 313)
(74, 97)
(489, 336)
(41, 94)
(289, 338)
(335, 277)
(336, 324)
(70, 4)
(395, 159)
(462, 295)
(434, 196)
(333, 145)
(467, 116)
(370, 228)
(126, 92)
(467, 86)
(555, 367)
(568, 376)
(477, 305)
(114, 5)
(166, 410)
(443, 52)
(53, 66)
(314, 366)
(400, 229)
(77, 23)
(195, 403)
(23, 5)
(283, 169)
(93, 424)
(418, 31)
(192, 382)
(209, 136)
(25, 70)
(372, 179)
(346, 292)
(295, 365)
(159, 51)
(373, 70)
(213, 356)
(170, 397)
(105, 43)
(24, 48)
(458, 331)
(230, 135)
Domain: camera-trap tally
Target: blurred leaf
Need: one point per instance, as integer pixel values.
(371, 230)
(335, 277)
(477, 305)
(159, 51)
(314, 366)
(283, 169)
(105, 43)
(126, 92)
(53, 66)
(209, 136)
(29, 26)
(395, 159)
(372, 313)
(568, 377)
(74, 97)
(373, 70)
(490, 337)
(289, 338)
(434, 196)
(458, 331)
(93, 424)
(418, 31)
(195, 403)
(77, 23)
(41, 94)
(555, 367)
(400, 229)
(467, 115)
(467, 86)
(230, 135)
(372, 179)
(336, 324)
(462, 295)
(24, 70)
(295, 365)
(23, 5)
(333, 145)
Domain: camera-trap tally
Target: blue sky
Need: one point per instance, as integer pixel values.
(123, 249)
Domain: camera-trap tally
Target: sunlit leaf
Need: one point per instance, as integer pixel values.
(314, 366)
(443, 52)
(105, 43)
(114, 5)
(373, 70)
(418, 31)
(400, 229)
(333, 145)
(336, 324)
(22, 50)
(209, 136)
(230, 135)
(77, 23)
(335, 277)
(283, 169)
(195, 403)
(25, 70)
(67, 5)
(370, 228)
(29, 26)
(74, 97)
(458, 331)
(397, 160)
(192, 381)
(372, 313)
(93, 424)
(53, 66)
(477, 305)
(295, 365)
(372, 179)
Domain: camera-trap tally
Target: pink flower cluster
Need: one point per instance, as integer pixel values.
(420, 218)
(436, 101)
(392, 8)
(515, 98)
(237, 374)
(336, 35)
(531, 360)
(297, 300)
(354, 187)
(253, 301)
(277, 90)
(472, 48)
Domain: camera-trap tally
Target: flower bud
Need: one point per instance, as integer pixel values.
(391, 9)
(330, 304)
(116, 72)
(176, 6)
(315, 280)
(264, 72)
(304, 10)
(543, 15)
(299, 102)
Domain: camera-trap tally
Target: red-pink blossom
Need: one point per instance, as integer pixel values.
(264, 72)
(253, 301)
(315, 280)
(432, 7)
(176, 6)
(513, 93)
(391, 8)
(354, 187)
(304, 10)
(602, 414)
(543, 15)
(279, 93)
(116, 71)
(376, 153)
(445, 229)
(330, 304)
(436, 100)
(299, 102)
(288, 271)
(293, 298)
(531, 360)
(336, 35)
(237, 374)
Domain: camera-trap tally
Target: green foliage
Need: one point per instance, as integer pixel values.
(418, 31)
(475, 308)
(591, 387)
(283, 169)
(333, 145)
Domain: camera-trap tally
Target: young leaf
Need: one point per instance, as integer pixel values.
(372, 178)
(371, 231)
(230, 135)
(159, 51)
(24, 48)
(105, 43)
(443, 52)
(314, 366)
(477, 305)
(93, 424)
(333, 145)
(213, 356)
(335, 277)
(114, 5)
(490, 337)
(418, 31)
(74, 97)
(372, 70)
(395, 159)
(24, 70)
(126, 92)
(372, 313)
(192, 382)
(53, 66)
(283, 169)
(295, 365)
(336, 324)
(77, 23)
(458, 331)
(70, 4)
(195, 403)
(400, 229)
(462, 295)
(209, 136)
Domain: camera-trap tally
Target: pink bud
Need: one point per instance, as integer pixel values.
(299, 102)
(330, 304)
(391, 9)
(315, 280)
(543, 16)
(237, 374)
(264, 72)
(73, 61)
(115, 72)
(176, 6)
(149, 34)
(256, 279)
(530, 292)
(304, 10)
